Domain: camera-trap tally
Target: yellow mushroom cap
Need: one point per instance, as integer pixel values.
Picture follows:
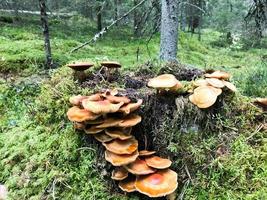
(120, 133)
(93, 130)
(218, 74)
(159, 184)
(128, 184)
(110, 64)
(120, 160)
(119, 173)
(110, 122)
(200, 82)
(101, 107)
(163, 81)
(158, 162)
(204, 96)
(146, 153)
(230, 86)
(131, 107)
(130, 120)
(75, 114)
(77, 100)
(139, 167)
(118, 146)
(102, 137)
(215, 82)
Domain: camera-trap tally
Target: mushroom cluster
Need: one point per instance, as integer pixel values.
(109, 118)
(207, 90)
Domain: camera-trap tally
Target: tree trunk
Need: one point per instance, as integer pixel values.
(136, 20)
(44, 21)
(99, 17)
(169, 30)
(116, 11)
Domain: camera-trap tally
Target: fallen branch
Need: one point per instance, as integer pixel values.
(105, 29)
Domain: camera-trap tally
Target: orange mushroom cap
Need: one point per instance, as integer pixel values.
(146, 153)
(96, 121)
(95, 97)
(93, 130)
(158, 162)
(110, 122)
(120, 160)
(230, 86)
(115, 99)
(75, 114)
(120, 133)
(200, 82)
(101, 107)
(159, 184)
(77, 100)
(131, 107)
(215, 82)
(110, 64)
(130, 120)
(119, 173)
(102, 137)
(139, 167)
(80, 66)
(128, 184)
(163, 81)
(118, 146)
(218, 74)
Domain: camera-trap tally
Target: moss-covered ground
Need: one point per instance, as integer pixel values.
(42, 157)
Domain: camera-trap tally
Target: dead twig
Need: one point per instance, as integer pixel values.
(255, 132)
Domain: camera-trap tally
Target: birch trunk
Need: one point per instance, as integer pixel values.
(169, 30)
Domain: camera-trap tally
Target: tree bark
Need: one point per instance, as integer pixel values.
(44, 21)
(99, 17)
(169, 30)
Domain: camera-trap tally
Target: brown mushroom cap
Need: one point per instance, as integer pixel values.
(96, 121)
(158, 162)
(118, 146)
(176, 87)
(110, 64)
(115, 99)
(102, 137)
(163, 81)
(159, 184)
(119, 173)
(120, 160)
(75, 114)
(128, 184)
(130, 120)
(139, 167)
(146, 153)
(77, 100)
(101, 107)
(120, 133)
(230, 86)
(93, 130)
(215, 82)
(218, 74)
(204, 96)
(262, 102)
(109, 122)
(79, 125)
(80, 66)
(131, 107)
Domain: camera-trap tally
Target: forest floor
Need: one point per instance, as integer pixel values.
(41, 156)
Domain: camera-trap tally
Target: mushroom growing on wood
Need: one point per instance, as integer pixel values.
(120, 160)
(120, 133)
(77, 100)
(130, 107)
(139, 167)
(230, 86)
(75, 114)
(130, 120)
(158, 162)
(128, 184)
(218, 74)
(119, 173)
(109, 122)
(215, 82)
(118, 146)
(102, 137)
(146, 153)
(159, 184)
(262, 102)
(101, 107)
(79, 68)
(93, 130)
(109, 66)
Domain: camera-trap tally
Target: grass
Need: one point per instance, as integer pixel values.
(41, 156)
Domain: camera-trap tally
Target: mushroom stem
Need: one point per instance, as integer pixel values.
(108, 74)
(79, 75)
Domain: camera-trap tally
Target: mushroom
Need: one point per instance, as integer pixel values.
(131, 107)
(118, 146)
(262, 102)
(139, 167)
(79, 68)
(110, 122)
(99, 120)
(101, 107)
(75, 114)
(115, 99)
(130, 120)
(119, 173)
(79, 125)
(109, 65)
(215, 82)
(120, 160)
(218, 74)
(158, 162)
(205, 96)
(230, 86)
(200, 82)
(159, 184)
(102, 137)
(77, 100)
(128, 184)
(165, 82)
(120, 133)
(93, 130)
(146, 153)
